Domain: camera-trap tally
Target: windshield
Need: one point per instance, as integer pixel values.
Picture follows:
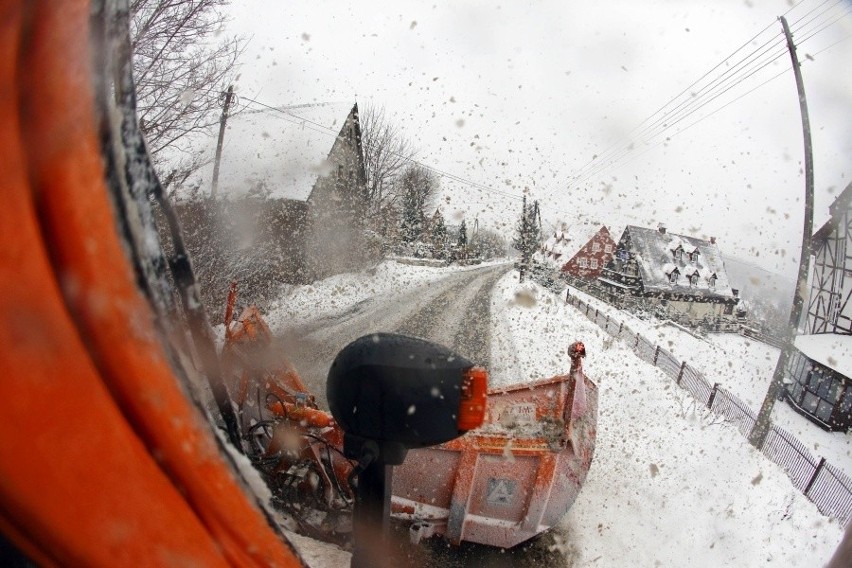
(635, 217)
(628, 175)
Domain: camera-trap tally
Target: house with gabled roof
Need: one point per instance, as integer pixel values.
(818, 375)
(309, 155)
(578, 251)
(678, 277)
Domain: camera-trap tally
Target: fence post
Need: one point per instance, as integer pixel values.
(712, 396)
(814, 476)
(656, 354)
(680, 374)
(636, 346)
(620, 326)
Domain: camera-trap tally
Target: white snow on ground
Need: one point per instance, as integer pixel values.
(743, 366)
(302, 304)
(669, 485)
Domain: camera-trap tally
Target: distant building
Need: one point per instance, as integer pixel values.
(337, 204)
(310, 154)
(580, 251)
(678, 277)
(819, 370)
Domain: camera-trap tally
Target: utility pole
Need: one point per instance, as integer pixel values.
(761, 427)
(522, 239)
(228, 96)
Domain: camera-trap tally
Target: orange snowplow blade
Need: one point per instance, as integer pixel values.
(121, 469)
(511, 479)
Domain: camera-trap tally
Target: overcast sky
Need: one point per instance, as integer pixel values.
(522, 96)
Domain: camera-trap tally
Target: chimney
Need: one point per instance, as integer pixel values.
(661, 228)
(712, 240)
(736, 292)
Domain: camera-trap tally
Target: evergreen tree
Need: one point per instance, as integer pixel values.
(461, 242)
(418, 187)
(528, 237)
(439, 235)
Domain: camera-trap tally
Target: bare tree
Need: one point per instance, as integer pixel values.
(386, 154)
(180, 70)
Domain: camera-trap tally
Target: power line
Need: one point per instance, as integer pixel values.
(745, 68)
(613, 153)
(293, 118)
(680, 94)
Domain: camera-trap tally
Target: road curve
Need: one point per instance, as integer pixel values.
(453, 311)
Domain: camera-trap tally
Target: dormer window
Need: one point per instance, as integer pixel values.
(677, 253)
(693, 256)
(673, 275)
(693, 279)
(712, 280)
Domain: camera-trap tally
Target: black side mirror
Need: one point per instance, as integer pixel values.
(390, 393)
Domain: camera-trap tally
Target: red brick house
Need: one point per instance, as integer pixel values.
(579, 251)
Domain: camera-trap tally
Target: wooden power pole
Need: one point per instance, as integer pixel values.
(761, 427)
(229, 95)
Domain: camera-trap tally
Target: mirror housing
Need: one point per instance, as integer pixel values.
(400, 390)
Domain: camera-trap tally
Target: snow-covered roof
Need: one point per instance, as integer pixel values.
(653, 251)
(839, 206)
(567, 240)
(284, 150)
(828, 349)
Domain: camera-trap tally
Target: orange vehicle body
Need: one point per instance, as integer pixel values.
(123, 469)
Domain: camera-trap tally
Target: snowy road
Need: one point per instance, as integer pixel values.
(453, 311)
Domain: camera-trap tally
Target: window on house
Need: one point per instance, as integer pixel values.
(608, 248)
(693, 279)
(673, 277)
(583, 262)
(594, 263)
(835, 307)
(712, 280)
(596, 247)
(729, 309)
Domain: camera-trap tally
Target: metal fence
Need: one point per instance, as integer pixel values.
(825, 485)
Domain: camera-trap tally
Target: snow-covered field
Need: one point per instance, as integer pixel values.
(669, 485)
(743, 366)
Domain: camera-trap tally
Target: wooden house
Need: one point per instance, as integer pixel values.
(579, 252)
(310, 154)
(674, 276)
(819, 370)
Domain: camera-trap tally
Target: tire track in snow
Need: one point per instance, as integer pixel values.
(440, 307)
